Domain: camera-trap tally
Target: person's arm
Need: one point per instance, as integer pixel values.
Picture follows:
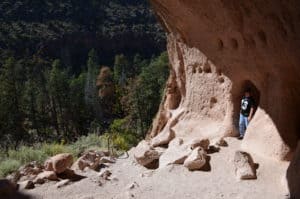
(251, 114)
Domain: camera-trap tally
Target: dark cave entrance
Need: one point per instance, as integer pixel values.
(238, 94)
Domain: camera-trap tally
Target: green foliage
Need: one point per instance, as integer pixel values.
(121, 69)
(8, 166)
(40, 152)
(27, 154)
(56, 105)
(144, 93)
(92, 141)
(25, 26)
(53, 149)
(90, 90)
(11, 113)
(122, 137)
(49, 95)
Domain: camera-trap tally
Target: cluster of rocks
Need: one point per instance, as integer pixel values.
(61, 169)
(192, 154)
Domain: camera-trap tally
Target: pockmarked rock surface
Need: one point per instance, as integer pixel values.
(217, 49)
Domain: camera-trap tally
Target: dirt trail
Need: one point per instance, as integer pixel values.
(130, 180)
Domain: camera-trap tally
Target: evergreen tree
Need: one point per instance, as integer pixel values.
(11, 113)
(58, 89)
(80, 116)
(145, 92)
(91, 97)
(121, 67)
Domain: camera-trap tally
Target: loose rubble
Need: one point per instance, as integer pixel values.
(60, 168)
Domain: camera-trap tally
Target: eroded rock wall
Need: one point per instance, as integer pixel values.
(216, 49)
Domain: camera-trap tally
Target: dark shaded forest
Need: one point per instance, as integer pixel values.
(71, 68)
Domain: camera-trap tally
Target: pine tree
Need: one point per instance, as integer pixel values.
(91, 92)
(144, 93)
(121, 67)
(11, 113)
(58, 88)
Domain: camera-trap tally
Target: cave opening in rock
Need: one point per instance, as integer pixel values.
(237, 96)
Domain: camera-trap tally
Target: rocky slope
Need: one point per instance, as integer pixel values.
(217, 49)
(127, 179)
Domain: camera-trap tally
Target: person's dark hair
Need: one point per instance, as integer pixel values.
(248, 90)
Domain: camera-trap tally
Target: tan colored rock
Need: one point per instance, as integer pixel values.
(32, 168)
(14, 177)
(46, 175)
(62, 183)
(163, 138)
(104, 174)
(27, 172)
(145, 154)
(196, 160)
(28, 184)
(262, 134)
(59, 163)
(132, 186)
(176, 153)
(221, 142)
(110, 160)
(293, 174)
(91, 159)
(48, 165)
(203, 143)
(39, 181)
(80, 164)
(244, 166)
(212, 65)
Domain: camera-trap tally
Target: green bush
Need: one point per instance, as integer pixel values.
(27, 154)
(15, 158)
(122, 138)
(54, 149)
(92, 141)
(8, 166)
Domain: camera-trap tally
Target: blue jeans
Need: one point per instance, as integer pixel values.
(243, 124)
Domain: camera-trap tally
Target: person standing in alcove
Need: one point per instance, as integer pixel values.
(246, 113)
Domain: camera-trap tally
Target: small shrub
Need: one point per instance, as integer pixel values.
(92, 141)
(54, 149)
(27, 154)
(8, 166)
(122, 137)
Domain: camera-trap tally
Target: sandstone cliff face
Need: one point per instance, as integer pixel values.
(216, 49)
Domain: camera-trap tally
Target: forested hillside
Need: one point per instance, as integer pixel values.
(70, 68)
(67, 30)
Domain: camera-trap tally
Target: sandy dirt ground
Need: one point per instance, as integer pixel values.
(130, 180)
